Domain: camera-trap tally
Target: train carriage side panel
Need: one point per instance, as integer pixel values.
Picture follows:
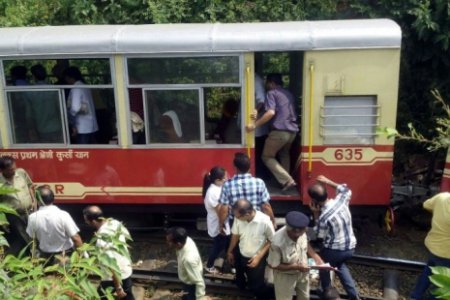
(123, 176)
(347, 95)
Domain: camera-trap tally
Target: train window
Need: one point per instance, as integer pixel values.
(173, 116)
(60, 101)
(349, 120)
(36, 116)
(222, 115)
(182, 70)
(20, 72)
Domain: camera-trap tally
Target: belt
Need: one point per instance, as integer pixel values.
(48, 254)
(283, 130)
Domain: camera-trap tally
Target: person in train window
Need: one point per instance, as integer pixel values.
(333, 224)
(251, 233)
(190, 269)
(437, 241)
(18, 103)
(227, 131)
(81, 109)
(280, 111)
(212, 187)
(288, 257)
(43, 114)
(170, 128)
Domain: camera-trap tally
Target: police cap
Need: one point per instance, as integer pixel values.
(296, 219)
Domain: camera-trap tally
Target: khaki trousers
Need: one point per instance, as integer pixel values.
(286, 284)
(279, 142)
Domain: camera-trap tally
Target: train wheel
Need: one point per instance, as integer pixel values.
(389, 220)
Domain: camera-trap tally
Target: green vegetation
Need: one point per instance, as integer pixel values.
(441, 279)
(75, 277)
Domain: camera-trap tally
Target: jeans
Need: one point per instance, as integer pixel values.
(220, 243)
(423, 282)
(337, 259)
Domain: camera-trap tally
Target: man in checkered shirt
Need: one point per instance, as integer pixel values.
(243, 186)
(334, 227)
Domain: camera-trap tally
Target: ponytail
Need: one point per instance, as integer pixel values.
(206, 183)
(215, 173)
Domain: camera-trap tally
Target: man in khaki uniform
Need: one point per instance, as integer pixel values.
(22, 201)
(288, 258)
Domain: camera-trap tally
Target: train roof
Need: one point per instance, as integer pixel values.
(199, 38)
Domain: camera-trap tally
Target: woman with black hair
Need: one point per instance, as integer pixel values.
(212, 187)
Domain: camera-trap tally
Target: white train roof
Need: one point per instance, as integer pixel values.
(199, 38)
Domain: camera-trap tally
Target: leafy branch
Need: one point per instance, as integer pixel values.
(442, 129)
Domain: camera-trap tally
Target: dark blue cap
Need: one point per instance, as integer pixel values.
(297, 219)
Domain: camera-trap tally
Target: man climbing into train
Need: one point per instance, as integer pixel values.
(333, 225)
(280, 111)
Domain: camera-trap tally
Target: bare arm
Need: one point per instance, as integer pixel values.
(325, 180)
(76, 239)
(223, 214)
(118, 286)
(266, 117)
(267, 209)
(254, 261)
(217, 210)
(291, 267)
(234, 241)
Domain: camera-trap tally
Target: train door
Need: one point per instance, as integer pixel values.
(289, 65)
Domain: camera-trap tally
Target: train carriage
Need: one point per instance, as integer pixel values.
(162, 91)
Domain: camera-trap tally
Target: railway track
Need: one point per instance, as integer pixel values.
(215, 285)
(224, 286)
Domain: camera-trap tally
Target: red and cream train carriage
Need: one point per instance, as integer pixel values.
(344, 74)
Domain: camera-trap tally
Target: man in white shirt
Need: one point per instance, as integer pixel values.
(81, 109)
(253, 230)
(190, 267)
(108, 232)
(54, 228)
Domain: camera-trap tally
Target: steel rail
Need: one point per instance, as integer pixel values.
(388, 263)
(214, 285)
